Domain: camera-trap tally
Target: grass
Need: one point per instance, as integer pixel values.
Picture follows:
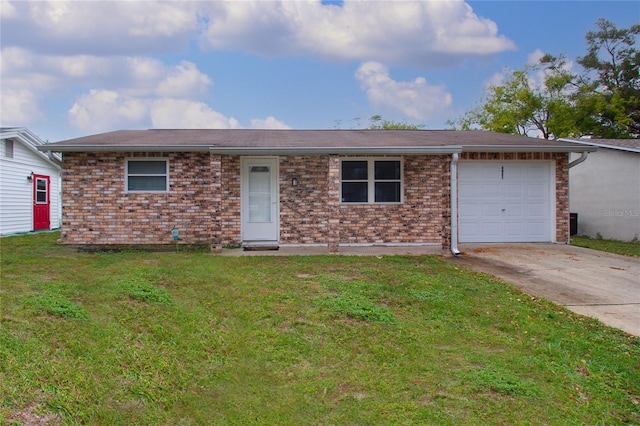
(191, 338)
(630, 248)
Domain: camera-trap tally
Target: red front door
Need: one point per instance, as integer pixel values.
(41, 202)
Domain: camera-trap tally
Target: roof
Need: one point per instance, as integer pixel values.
(31, 141)
(632, 145)
(283, 142)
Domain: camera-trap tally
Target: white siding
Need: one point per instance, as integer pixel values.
(16, 192)
(605, 192)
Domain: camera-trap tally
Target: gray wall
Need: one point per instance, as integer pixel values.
(605, 192)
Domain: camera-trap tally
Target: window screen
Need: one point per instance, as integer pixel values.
(147, 175)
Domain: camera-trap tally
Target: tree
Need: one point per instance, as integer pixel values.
(608, 102)
(378, 123)
(548, 99)
(522, 106)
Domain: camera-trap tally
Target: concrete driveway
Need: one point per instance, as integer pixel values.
(593, 283)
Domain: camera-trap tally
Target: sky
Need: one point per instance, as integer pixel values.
(75, 68)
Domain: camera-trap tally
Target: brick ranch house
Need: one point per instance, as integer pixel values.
(327, 188)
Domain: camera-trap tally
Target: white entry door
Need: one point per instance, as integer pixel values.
(505, 201)
(260, 200)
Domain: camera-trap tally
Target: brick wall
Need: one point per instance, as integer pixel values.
(562, 197)
(231, 224)
(97, 210)
(204, 201)
(306, 210)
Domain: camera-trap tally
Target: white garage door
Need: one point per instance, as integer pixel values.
(504, 201)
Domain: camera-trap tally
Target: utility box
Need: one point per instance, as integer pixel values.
(573, 223)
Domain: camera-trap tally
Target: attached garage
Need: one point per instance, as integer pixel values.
(506, 201)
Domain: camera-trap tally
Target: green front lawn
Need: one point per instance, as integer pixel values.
(191, 338)
(630, 248)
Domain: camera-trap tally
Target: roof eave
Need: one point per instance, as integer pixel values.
(124, 148)
(524, 148)
(387, 150)
(602, 145)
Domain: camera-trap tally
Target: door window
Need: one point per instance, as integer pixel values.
(41, 191)
(260, 194)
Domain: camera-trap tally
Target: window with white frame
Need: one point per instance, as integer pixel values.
(150, 175)
(8, 148)
(371, 181)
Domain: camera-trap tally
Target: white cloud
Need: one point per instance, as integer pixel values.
(419, 32)
(268, 123)
(64, 19)
(423, 32)
(18, 107)
(184, 80)
(496, 79)
(106, 110)
(123, 88)
(102, 110)
(415, 99)
(534, 57)
(536, 77)
(7, 9)
(184, 114)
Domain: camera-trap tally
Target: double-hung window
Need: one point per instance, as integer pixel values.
(371, 181)
(147, 175)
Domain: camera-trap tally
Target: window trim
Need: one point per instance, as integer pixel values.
(371, 181)
(156, 159)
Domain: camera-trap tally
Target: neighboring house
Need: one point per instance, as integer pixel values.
(327, 188)
(605, 190)
(29, 183)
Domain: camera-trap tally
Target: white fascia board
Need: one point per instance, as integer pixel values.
(601, 145)
(521, 148)
(125, 148)
(387, 150)
(32, 143)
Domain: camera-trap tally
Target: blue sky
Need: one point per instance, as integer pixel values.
(72, 68)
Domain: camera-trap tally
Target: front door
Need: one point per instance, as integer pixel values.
(260, 200)
(41, 202)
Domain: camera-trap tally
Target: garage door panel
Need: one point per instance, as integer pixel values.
(536, 211)
(537, 191)
(469, 191)
(480, 172)
(504, 201)
(491, 211)
(513, 191)
(513, 172)
(478, 231)
(470, 211)
(514, 230)
(513, 211)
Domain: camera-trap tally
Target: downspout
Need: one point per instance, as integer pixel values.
(582, 158)
(454, 204)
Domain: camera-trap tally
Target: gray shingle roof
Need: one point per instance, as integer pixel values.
(251, 141)
(622, 144)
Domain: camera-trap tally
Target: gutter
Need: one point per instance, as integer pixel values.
(365, 150)
(454, 204)
(123, 148)
(582, 158)
(288, 150)
(525, 148)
